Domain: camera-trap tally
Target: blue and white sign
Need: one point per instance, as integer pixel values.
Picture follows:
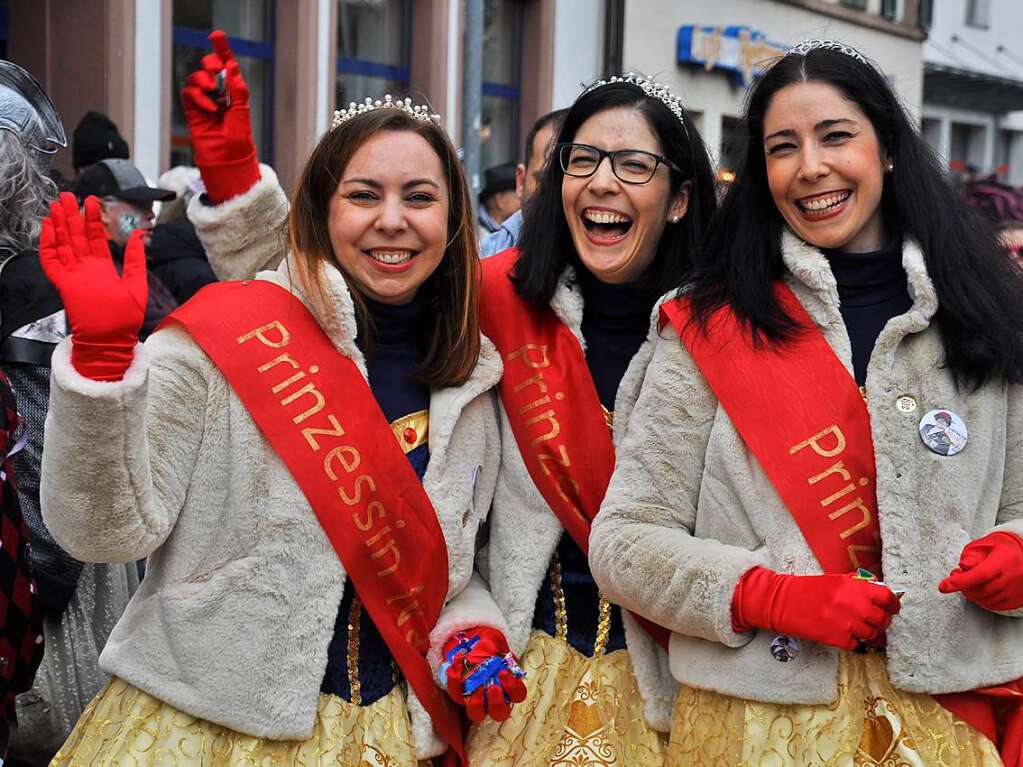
(741, 50)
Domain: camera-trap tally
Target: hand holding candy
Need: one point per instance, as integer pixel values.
(481, 673)
(990, 572)
(221, 128)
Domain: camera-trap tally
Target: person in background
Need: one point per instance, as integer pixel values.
(96, 138)
(498, 199)
(65, 607)
(539, 142)
(820, 491)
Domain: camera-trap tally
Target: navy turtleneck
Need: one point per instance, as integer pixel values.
(393, 357)
(872, 288)
(615, 323)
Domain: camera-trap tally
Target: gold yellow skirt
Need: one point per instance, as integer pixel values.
(124, 726)
(870, 725)
(578, 711)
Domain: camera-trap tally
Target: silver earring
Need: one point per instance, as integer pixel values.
(889, 167)
(674, 219)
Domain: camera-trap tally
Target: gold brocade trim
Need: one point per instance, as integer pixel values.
(578, 712)
(870, 724)
(863, 392)
(419, 422)
(125, 726)
(609, 417)
(352, 658)
(561, 614)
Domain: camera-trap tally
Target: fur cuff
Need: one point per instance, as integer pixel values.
(247, 233)
(75, 384)
(474, 606)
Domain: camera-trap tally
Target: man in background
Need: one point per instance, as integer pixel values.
(539, 144)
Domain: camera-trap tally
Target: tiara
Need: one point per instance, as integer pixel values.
(651, 88)
(806, 46)
(418, 111)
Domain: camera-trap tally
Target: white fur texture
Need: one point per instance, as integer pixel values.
(524, 532)
(233, 619)
(246, 234)
(689, 510)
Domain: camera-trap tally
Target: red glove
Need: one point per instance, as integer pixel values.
(990, 572)
(835, 610)
(460, 661)
(221, 133)
(105, 310)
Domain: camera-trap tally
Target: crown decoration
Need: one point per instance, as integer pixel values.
(418, 111)
(806, 46)
(651, 88)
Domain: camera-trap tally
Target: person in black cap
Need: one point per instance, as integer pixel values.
(498, 199)
(126, 200)
(96, 138)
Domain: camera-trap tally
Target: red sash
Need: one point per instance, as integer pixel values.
(552, 405)
(316, 410)
(801, 414)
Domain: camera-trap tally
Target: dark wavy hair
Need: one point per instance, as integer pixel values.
(980, 292)
(450, 324)
(546, 241)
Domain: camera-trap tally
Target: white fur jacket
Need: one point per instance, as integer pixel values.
(524, 532)
(689, 510)
(234, 616)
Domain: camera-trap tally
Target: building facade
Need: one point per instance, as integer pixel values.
(973, 86)
(709, 52)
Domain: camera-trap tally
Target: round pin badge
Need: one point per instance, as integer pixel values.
(943, 432)
(784, 648)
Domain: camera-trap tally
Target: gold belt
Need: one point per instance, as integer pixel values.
(561, 614)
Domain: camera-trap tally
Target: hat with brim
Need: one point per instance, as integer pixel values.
(500, 178)
(121, 180)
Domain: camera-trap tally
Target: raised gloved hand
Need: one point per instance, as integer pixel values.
(836, 610)
(105, 309)
(481, 673)
(990, 572)
(221, 132)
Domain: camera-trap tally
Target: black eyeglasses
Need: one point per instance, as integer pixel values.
(631, 166)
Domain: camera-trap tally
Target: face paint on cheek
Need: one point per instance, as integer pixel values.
(127, 223)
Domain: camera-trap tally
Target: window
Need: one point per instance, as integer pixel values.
(860, 5)
(733, 145)
(978, 13)
(4, 28)
(372, 49)
(890, 9)
(502, 75)
(249, 26)
(925, 14)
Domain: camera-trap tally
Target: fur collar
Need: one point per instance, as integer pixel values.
(810, 267)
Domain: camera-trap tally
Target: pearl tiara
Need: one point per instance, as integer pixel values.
(806, 46)
(418, 111)
(651, 88)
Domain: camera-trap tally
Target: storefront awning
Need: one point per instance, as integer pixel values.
(965, 89)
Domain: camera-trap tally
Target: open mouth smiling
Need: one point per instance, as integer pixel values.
(823, 205)
(604, 225)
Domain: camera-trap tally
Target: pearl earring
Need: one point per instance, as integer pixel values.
(674, 219)
(889, 167)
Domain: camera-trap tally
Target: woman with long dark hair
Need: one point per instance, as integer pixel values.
(623, 202)
(304, 458)
(819, 492)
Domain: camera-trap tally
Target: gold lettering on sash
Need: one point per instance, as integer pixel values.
(560, 458)
(342, 459)
(552, 419)
(814, 442)
(537, 379)
(830, 443)
(525, 354)
(261, 332)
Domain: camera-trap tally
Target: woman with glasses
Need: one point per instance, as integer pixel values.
(622, 204)
(821, 489)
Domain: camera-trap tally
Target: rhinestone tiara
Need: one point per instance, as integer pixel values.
(651, 88)
(806, 46)
(418, 111)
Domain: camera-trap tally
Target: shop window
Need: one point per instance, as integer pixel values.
(978, 13)
(372, 49)
(502, 76)
(249, 26)
(733, 145)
